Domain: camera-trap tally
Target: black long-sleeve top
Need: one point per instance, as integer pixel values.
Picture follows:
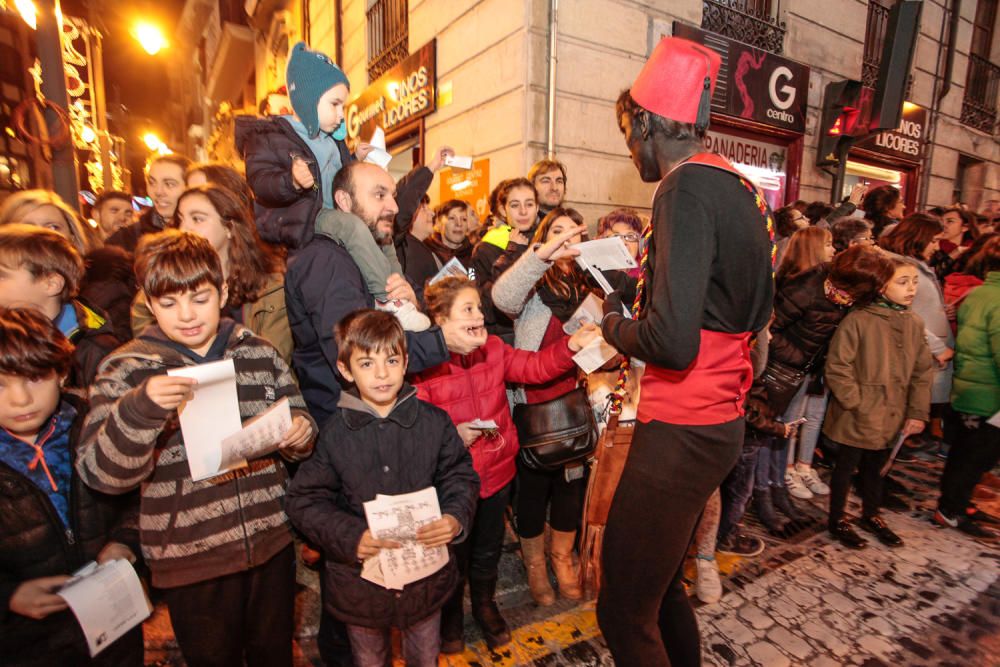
(709, 267)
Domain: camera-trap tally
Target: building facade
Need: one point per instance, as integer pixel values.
(508, 82)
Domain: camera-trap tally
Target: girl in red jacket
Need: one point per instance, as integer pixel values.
(472, 389)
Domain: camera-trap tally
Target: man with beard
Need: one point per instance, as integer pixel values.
(322, 285)
(450, 238)
(549, 179)
(706, 288)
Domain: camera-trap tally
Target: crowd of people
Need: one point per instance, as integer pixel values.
(317, 274)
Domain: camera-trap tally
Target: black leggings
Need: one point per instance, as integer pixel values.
(541, 494)
(671, 471)
(868, 462)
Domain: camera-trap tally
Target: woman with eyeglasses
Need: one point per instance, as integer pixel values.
(787, 221)
(541, 294)
(626, 224)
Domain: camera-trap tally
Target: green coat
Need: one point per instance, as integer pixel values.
(976, 385)
(879, 371)
(267, 317)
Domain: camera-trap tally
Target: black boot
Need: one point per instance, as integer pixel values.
(485, 610)
(782, 501)
(764, 508)
(452, 631)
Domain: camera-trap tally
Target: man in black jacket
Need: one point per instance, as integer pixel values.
(164, 185)
(707, 288)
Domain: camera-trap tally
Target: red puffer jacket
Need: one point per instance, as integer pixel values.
(473, 387)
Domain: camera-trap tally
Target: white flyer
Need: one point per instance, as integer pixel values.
(994, 420)
(107, 600)
(588, 312)
(594, 355)
(211, 416)
(458, 162)
(607, 254)
(378, 154)
(398, 518)
(452, 268)
(259, 437)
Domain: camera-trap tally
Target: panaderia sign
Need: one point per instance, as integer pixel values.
(404, 93)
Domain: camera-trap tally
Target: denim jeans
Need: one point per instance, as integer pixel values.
(772, 459)
(738, 485)
(421, 644)
(813, 408)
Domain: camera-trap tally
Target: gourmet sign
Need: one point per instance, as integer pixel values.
(906, 141)
(404, 93)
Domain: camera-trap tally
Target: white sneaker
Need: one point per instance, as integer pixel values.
(812, 481)
(796, 487)
(708, 588)
(407, 314)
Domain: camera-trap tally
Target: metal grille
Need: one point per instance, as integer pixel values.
(878, 23)
(753, 22)
(388, 35)
(982, 83)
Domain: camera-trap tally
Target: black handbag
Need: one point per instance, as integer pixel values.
(782, 382)
(557, 432)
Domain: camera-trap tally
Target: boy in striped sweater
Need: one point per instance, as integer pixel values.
(220, 548)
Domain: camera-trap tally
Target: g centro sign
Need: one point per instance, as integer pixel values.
(404, 93)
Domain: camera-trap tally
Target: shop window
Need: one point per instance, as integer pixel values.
(754, 22)
(388, 35)
(982, 80)
(969, 181)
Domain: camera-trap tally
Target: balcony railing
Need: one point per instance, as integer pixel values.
(388, 35)
(878, 23)
(754, 22)
(979, 107)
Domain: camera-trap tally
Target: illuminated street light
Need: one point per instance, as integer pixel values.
(28, 12)
(150, 38)
(88, 135)
(155, 144)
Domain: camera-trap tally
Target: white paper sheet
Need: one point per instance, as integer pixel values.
(259, 437)
(994, 420)
(608, 254)
(892, 455)
(594, 355)
(484, 424)
(452, 268)
(589, 312)
(211, 416)
(458, 162)
(398, 518)
(107, 601)
(378, 154)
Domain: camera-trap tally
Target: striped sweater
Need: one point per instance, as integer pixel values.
(190, 531)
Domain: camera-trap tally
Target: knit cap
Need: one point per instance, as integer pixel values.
(308, 76)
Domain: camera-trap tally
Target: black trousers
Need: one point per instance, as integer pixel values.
(868, 463)
(547, 495)
(671, 471)
(246, 616)
(974, 451)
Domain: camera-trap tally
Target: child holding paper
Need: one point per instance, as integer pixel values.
(220, 548)
(50, 523)
(472, 388)
(382, 440)
(879, 370)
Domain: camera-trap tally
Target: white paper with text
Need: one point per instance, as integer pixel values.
(398, 518)
(259, 437)
(107, 600)
(211, 416)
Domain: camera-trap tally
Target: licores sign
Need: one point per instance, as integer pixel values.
(404, 93)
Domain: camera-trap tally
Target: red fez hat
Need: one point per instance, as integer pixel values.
(677, 81)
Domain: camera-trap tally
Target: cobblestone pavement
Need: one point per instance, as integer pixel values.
(805, 601)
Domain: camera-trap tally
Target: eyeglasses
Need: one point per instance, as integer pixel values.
(631, 237)
(864, 239)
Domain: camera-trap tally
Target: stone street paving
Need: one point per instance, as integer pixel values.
(805, 601)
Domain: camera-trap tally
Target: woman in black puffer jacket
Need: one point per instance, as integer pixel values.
(808, 307)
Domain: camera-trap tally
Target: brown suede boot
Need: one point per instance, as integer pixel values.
(567, 570)
(533, 552)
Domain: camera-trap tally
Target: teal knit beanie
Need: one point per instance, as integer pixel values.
(308, 76)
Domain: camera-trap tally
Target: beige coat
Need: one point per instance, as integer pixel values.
(879, 371)
(267, 316)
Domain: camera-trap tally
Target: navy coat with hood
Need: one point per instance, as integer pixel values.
(360, 454)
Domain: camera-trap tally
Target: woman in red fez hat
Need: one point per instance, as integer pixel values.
(706, 289)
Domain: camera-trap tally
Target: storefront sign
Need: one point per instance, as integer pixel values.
(906, 141)
(470, 185)
(764, 163)
(404, 93)
(755, 84)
